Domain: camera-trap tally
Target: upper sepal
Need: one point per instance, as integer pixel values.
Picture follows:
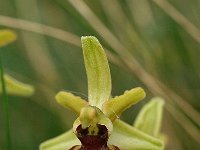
(98, 72)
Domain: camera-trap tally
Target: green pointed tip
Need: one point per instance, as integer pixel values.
(158, 100)
(6, 37)
(17, 88)
(87, 37)
(70, 101)
(97, 69)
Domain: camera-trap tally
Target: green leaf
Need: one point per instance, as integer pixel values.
(6, 37)
(115, 106)
(150, 117)
(64, 141)
(71, 101)
(98, 72)
(18, 88)
(127, 137)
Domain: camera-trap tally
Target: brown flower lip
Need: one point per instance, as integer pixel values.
(93, 142)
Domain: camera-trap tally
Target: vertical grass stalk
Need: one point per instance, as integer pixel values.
(5, 107)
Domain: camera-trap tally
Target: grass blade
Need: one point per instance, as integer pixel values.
(5, 108)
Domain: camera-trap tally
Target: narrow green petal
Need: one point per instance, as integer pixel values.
(6, 37)
(150, 117)
(127, 137)
(18, 88)
(115, 106)
(71, 101)
(98, 72)
(64, 141)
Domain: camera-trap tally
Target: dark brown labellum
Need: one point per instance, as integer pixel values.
(93, 142)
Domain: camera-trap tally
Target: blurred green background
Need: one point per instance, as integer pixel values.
(154, 44)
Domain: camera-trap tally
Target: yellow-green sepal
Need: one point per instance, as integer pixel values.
(150, 116)
(98, 72)
(126, 137)
(64, 141)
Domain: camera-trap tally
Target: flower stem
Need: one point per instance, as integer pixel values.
(5, 108)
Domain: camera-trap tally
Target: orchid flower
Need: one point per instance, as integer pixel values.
(13, 87)
(98, 126)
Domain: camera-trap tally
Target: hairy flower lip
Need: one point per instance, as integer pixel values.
(93, 142)
(98, 141)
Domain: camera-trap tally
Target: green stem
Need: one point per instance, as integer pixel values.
(5, 108)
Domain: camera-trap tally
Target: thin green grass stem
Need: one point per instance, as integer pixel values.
(5, 108)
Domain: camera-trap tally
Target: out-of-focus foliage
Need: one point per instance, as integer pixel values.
(6, 37)
(151, 43)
